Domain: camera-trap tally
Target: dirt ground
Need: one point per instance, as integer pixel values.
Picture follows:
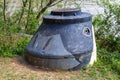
(18, 69)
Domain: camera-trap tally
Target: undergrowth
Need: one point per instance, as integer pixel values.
(109, 59)
(11, 42)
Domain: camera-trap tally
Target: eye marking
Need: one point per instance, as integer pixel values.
(86, 31)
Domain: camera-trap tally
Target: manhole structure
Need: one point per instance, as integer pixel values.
(65, 40)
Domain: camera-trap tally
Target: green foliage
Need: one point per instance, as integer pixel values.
(110, 43)
(11, 43)
(32, 25)
(107, 27)
(0, 9)
(22, 21)
(107, 31)
(109, 59)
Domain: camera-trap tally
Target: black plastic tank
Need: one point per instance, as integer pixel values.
(64, 40)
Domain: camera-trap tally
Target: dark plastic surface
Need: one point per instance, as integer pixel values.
(67, 16)
(62, 41)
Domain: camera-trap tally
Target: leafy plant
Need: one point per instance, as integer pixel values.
(11, 43)
(109, 59)
(107, 27)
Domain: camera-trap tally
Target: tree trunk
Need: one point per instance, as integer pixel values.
(23, 10)
(4, 8)
(41, 12)
(28, 14)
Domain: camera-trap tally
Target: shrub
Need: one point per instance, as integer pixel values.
(11, 43)
(107, 27)
(109, 59)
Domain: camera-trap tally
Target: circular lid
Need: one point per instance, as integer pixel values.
(67, 15)
(66, 12)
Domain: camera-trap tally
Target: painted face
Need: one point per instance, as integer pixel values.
(77, 38)
(64, 40)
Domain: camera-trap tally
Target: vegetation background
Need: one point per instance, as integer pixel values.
(16, 29)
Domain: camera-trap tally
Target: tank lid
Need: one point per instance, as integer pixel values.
(67, 15)
(66, 12)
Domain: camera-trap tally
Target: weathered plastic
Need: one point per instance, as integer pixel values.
(64, 40)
